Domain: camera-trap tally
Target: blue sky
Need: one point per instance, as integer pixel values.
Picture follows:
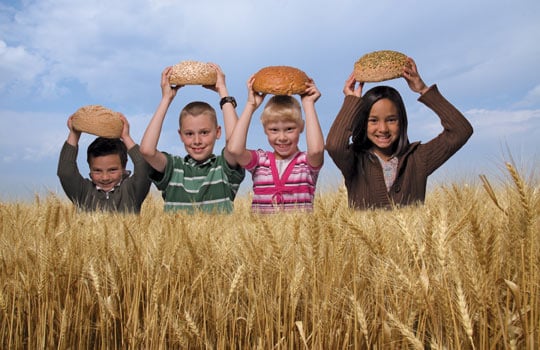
(59, 55)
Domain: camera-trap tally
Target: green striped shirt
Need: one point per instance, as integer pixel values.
(210, 186)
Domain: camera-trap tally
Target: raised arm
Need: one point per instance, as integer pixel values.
(236, 147)
(338, 138)
(230, 117)
(150, 139)
(74, 135)
(411, 75)
(314, 135)
(126, 137)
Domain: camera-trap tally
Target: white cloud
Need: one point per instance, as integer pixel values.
(18, 67)
(30, 136)
(532, 98)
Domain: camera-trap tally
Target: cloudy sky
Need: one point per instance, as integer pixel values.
(59, 55)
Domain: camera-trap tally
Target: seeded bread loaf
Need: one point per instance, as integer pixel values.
(98, 120)
(280, 80)
(379, 66)
(193, 73)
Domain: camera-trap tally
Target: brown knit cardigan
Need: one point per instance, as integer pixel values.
(365, 184)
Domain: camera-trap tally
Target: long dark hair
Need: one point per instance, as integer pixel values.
(359, 133)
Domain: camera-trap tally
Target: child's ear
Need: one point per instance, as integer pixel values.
(218, 132)
(302, 125)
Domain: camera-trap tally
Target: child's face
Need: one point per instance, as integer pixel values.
(283, 137)
(383, 126)
(106, 171)
(199, 134)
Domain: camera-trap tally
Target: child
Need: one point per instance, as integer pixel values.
(110, 188)
(381, 168)
(200, 180)
(285, 178)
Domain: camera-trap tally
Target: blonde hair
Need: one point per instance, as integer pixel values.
(282, 108)
(197, 108)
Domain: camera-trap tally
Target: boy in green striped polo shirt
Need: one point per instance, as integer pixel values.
(200, 180)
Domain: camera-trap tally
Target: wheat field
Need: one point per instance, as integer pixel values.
(460, 272)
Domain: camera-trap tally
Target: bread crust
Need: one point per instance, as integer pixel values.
(280, 80)
(98, 120)
(193, 73)
(379, 66)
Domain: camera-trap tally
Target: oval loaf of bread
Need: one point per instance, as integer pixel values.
(280, 80)
(98, 120)
(379, 66)
(193, 73)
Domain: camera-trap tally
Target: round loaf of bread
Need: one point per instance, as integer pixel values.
(379, 66)
(98, 120)
(193, 73)
(280, 80)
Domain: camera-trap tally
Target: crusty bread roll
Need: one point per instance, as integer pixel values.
(98, 120)
(379, 66)
(193, 73)
(280, 80)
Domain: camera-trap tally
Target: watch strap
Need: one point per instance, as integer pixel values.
(227, 99)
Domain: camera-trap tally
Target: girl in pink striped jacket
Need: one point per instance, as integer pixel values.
(285, 178)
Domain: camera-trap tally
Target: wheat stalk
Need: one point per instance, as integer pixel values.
(406, 332)
(359, 312)
(491, 193)
(464, 312)
(236, 281)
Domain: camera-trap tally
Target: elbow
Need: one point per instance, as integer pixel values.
(234, 152)
(317, 154)
(234, 149)
(147, 152)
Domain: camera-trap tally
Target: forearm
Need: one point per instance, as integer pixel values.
(237, 143)
(73, 138)
(128, 141)
(452, 119)
(314, 136)
(230, 117)
(150, 138)
(338, 136)
(68, 172)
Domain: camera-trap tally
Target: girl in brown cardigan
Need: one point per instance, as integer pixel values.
(381, 168)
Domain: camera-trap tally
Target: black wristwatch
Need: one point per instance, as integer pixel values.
(227, 99)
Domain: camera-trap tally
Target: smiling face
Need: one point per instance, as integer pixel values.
(383, 127)
(283, 137)
(106, 171)
(199, 134)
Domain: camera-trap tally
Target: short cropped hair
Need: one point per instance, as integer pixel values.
(102, 146)
(282, 108)
(197, 108)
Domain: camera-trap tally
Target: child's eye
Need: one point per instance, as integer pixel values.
(205, 132)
